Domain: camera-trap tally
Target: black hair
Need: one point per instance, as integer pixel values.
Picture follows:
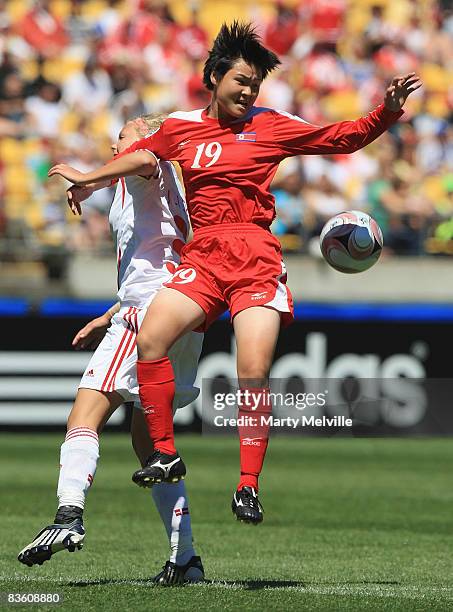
(237, 41)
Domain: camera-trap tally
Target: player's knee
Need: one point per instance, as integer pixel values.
(149, 347)
(255, 375)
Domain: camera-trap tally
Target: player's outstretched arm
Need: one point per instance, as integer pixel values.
(139, 162)
(91, 335)
(399, 89)
(296, 137)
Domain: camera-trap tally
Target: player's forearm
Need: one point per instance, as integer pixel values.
(350, 136)
(97, 186)
(345, 136)
(139, 162)
(111, 312)
(366, 129)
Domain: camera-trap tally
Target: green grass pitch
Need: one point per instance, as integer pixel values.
(350, 524)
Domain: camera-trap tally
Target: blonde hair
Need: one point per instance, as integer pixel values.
(144, 124)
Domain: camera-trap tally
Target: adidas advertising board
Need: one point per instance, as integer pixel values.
(391, 377)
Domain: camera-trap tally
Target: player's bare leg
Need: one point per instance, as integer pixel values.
(92, 409)
(256, 331)
(172, 504)
(78, 461)
(170, 316)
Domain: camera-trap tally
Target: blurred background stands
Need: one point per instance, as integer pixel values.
(72, 72)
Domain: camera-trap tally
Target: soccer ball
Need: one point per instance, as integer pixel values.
(351, 242)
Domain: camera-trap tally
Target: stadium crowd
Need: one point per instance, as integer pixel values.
(72, 72)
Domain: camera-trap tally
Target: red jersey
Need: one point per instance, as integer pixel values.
(228, 168)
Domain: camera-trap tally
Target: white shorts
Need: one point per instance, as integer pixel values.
(113, 366)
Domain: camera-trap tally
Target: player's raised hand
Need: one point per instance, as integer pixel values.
(67, 172)
(399, 89)
(75, 196)
(90, 336)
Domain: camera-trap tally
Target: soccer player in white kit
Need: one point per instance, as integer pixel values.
(149, 223)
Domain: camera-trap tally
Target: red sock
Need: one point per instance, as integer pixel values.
(157, 389)
(254, 435)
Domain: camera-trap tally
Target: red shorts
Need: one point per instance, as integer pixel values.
(233, 266)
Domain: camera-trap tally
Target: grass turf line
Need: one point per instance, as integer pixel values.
(350, 524)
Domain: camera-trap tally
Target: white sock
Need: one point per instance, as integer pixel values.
(171, 502)
(78, 460)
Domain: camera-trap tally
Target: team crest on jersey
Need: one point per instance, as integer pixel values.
(246, 137)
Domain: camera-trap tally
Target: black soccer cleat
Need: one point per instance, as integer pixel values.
(61, 535)
(246, 506)
(172, 574)
(160, 468)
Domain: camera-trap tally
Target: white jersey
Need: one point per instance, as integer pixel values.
(149, 223)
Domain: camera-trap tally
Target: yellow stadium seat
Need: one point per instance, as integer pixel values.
(33, 216)
(29, 69)
(16, 9)
(180, 11)
(18, 179)
(70, 65)
(290, 242)
(61, 8)
(32, 146)
(433, 188)
(14, 206)
(341, 105)
(59, 69)
(436, 78)
(69, 123)
(99, 124)
(438, 106)
(215, 13)
(434, 246)
(11, 151)
(91, 10)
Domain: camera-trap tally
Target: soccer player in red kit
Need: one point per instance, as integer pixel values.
(229, 153)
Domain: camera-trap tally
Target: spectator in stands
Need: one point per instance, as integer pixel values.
(192, 39)
(287, 191)
(325, 19)
(323, 71)
(12, 98)
(46, 110)
(121, 76)
(195, 93)
(379, 30)
(109, 19)
(395, 57)
(94, 232)
(88, 91)
(278, 92)
(132, 34)
(282, 31)
(162, 57)
(43, 31)
(79, 29)
(323, 201)
(116, 59)
(402, 211)
(128, 103)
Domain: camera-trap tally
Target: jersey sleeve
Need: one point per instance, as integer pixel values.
(131, 149)
(294, 136)
(160, 144)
